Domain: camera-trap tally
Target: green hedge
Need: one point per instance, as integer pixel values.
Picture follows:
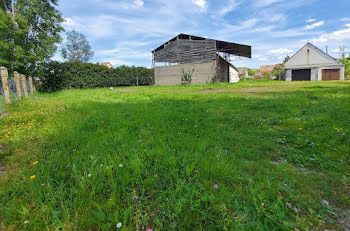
(58, 76)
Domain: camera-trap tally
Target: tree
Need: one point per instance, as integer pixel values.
(345, 60)
(286, 59)
(13, 46)
(251, 72)
(278, 70)
(77, 48)
(342, 51)
(33, 32)
(44, 29)
(5, 5)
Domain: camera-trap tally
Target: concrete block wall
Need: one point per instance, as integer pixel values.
(289, 75)
(171, 75)
(314, 74)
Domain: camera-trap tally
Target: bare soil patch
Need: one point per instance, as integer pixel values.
(345, 222)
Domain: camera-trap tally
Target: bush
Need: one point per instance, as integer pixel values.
(251, 72)
(58, 76)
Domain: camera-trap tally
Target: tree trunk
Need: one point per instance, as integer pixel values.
(14, 35)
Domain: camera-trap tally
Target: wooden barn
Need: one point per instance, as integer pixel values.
(206, 60)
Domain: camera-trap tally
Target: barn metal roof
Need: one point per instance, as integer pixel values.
(222, 46)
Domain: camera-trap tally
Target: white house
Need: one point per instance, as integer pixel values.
(311, 63)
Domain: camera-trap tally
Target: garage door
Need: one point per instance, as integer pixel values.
(301, 75)
(331, 74)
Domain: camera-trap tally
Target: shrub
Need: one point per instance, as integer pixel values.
(187, 76)
(58, 76)
(251, 72)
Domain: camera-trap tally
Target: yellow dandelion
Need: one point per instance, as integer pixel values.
(35, 162)
(300, 129)
(32, 177)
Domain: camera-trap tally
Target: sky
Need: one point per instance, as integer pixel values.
(124, 32)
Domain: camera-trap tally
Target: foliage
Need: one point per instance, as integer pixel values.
(251, 72)
(266, 75)
(286, 59)
(77, 48)
(187, 76)
(149, 157)
(5, 5)
(58, 76)
(13, 46)
(214, 80)
(346, 62)
(31, 39)
(278, 71)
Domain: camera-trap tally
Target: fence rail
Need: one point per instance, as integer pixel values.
(17, 87)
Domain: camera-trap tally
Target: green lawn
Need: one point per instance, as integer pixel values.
(151, 157)
(2, 104)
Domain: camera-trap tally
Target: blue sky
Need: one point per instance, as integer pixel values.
(125, 32)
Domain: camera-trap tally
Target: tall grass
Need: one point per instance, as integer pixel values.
(254, 156)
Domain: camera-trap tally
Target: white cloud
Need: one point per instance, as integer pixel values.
(202, 4)
(229, 6)
(261, 58)
(263, 3)
(345, 19)
(281, 51)
(70, 22)
(138, 3)
(314, 25)
(348, 25)
(264, 29)
(339, 36)
(311, 20)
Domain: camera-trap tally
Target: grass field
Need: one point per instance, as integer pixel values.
(263, 155)
(2, 104)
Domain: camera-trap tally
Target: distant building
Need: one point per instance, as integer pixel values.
(243, 72)
(267, 69)
(106, 64)
(311, 63)
(204, 59)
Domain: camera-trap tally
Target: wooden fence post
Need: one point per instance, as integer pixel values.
(18, 85)
(34, 87)
(23, 77)
(30, 81)
(5, 84)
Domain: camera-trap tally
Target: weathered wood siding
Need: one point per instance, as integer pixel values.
(171, 75)
(187, 51)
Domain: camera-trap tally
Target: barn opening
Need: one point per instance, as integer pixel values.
(301, 75)
(207, 59)
(330, 74)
